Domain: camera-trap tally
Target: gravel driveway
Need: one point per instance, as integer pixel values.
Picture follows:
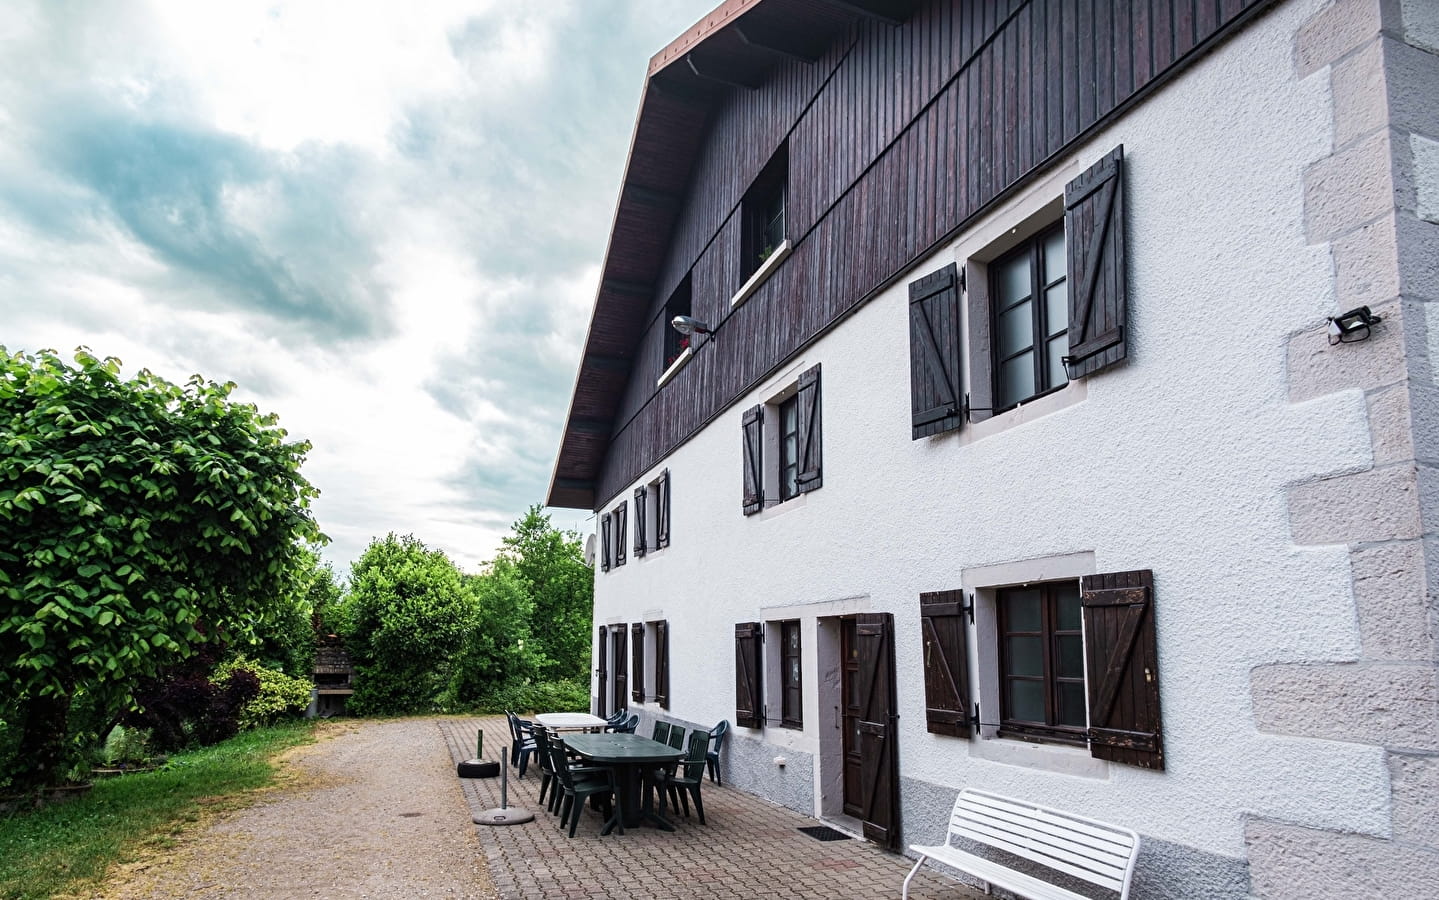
(371, 810)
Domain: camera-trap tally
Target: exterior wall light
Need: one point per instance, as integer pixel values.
(688, 325)
(1351, 327)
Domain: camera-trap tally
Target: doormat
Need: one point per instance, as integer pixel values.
(824, 833)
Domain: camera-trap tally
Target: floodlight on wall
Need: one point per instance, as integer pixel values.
(688, 325)
(1351, 327)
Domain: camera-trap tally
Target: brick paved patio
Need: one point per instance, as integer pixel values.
(749, 849)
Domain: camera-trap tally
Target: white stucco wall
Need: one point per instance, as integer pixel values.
(1177, 462)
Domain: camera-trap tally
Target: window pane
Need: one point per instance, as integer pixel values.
(1016, 328)
(1016, 379)
(774, 228)
(1070, 648)
(1013, 280)
(1026, 701)
(789, 448)
(1055, 350)
(1054, 255)
(1025, 656)
(1071, 704)
(1066, 600)
(1056, 309)
(1021, 609)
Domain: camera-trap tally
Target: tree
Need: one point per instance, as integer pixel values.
(552, 563)
(500, 649)
(404, 620)
(138, 519)
(288, 644)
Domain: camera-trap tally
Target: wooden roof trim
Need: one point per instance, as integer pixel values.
(713, 21)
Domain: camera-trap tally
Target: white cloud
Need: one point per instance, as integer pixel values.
(383, 221)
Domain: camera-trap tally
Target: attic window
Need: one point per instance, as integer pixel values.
(679, 304)
(764, 213)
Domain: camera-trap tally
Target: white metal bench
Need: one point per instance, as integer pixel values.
(1094, 851)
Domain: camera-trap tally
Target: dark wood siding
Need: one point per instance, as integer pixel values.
(897, 136)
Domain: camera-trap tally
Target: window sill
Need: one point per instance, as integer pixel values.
(778, 508)
(1072, 393)
(1057, 758)
(761, 274)
(675, 366)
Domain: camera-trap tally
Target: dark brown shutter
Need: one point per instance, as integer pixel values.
(1094, 243)
(878, 731)
(637, 662)
(619, 666)
(748, 646)
(662, 511)
(946, 662)
(1123, 668)
(753, 435)
(641, 498)
(601, 671)
(622, 519)
(662, 663)
(605, 542)
(934, 354)
(811, 443)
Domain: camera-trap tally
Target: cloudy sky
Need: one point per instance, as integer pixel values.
(383, 220)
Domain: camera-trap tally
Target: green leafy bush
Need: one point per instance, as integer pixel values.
(280, 696)
(547, 696)
(140, 520)
(405, 618)
(126, 747)
(500, 648)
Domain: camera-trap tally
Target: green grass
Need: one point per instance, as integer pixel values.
(59, 847)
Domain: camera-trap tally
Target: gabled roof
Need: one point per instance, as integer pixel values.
(734, 47)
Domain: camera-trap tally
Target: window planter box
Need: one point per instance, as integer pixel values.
(761, 274)
(675, 366)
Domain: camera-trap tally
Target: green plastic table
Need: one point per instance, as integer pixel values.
(629, 755)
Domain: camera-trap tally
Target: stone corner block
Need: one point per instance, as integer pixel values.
(1395, 617)
(1366, 264)
(1421, 23)
(1374, 505)
(1334, 31)
(1414, 783)
(1424, 157)
(1358, 87)
(1382, 704)
(1411, 81)
(1317, 368)
(1287, 861)
(1417, 243)
(1349, 188)
(1390, 427)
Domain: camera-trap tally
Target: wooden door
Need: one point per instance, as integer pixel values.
(877, 728)
(849, 689)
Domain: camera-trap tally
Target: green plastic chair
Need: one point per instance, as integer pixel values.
(676, 738)
(662, 732)
(578, 784)
(547, 769)
(690, 776)
(717, 734)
